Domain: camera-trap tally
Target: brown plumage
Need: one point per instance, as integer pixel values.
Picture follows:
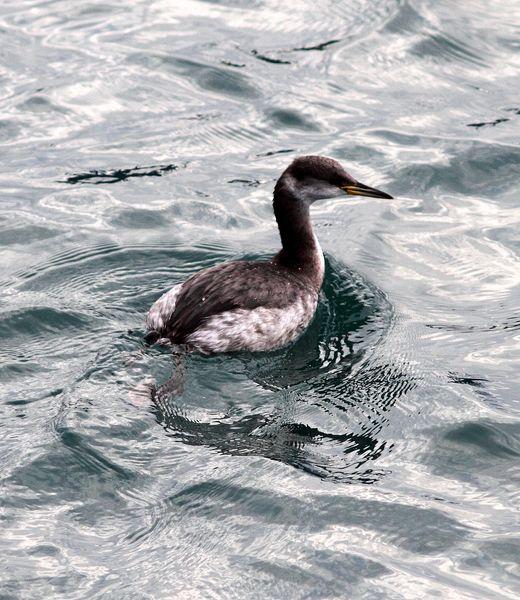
(258, 305)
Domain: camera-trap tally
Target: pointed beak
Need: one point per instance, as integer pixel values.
(360, 189)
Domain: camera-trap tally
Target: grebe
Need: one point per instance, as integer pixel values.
(259, 305)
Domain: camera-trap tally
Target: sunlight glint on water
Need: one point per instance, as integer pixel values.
(374, 458)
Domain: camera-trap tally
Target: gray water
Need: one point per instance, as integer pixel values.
(378, 456)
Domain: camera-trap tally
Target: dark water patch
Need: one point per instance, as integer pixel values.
(502, 554)
(43, 586)
(41, 321)
(500, 440)
(474, 169)
(472, 451)
(41, 104)
(98, 177)
(274, 152)
(9, 130)
(44, 550)
(445, 48)
(406, 20)
(214, 79)
(140, 219)
(234, 3)
(132, 277)
(207, 211)
(68, 257)
(92, 459)
(246, 182)
(316, 574)
(72, 470)
(511, 323)
(488, 123)
(14, 370)
(480, 386)
(433, 531)
(269, 59)
(226, 82)
(75, 256)
(34, 398)
(291, 119)
(41, 333)
(398, 138)
(344, 564)
(284, 573)
(14, 235)
(478, 382)
(318, 47)
(228, 63)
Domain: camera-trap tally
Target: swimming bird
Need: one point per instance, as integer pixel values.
(259, 305)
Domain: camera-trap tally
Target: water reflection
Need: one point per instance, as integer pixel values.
(235, 484)
(332, 391)
(101, 176)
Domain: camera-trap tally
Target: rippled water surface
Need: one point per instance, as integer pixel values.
(376, 457)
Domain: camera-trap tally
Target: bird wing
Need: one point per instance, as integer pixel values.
(229, 286)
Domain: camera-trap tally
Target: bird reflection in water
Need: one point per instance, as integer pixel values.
(332, 391)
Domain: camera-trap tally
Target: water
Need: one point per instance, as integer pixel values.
(377, 457)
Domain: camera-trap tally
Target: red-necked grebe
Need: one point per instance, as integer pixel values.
(259, 305)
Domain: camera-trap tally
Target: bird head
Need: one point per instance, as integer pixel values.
(311, 178)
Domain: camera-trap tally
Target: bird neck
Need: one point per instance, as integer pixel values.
(301, 251)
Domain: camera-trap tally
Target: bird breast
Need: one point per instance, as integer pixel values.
(255, 330)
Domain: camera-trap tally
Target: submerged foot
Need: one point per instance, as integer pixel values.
(147, 391)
